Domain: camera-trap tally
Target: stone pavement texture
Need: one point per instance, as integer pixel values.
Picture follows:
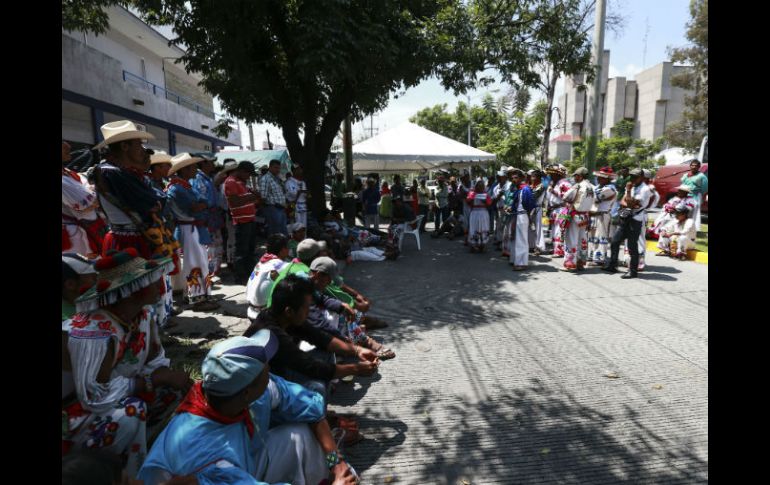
(541, 376)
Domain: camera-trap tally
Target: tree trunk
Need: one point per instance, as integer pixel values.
(548, 115)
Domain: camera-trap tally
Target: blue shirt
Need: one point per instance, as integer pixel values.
(219, 453)
(183, 199)
(370, 198)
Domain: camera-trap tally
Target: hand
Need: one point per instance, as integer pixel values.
(342, 475)
(350, 314)
(176, 379)
(362, 304)
(367, 355)
(366, 368)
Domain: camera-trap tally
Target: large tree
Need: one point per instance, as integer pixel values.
(306, 65)
(689, 131)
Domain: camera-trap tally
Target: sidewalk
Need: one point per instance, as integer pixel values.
(521, 377)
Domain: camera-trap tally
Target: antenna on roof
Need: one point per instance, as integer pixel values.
(646, 33)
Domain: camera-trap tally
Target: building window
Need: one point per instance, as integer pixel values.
(144, 68)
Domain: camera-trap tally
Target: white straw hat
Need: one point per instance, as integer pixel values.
(181, 161)
(123, 130)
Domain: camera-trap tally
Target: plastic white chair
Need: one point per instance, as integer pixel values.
(414, 232)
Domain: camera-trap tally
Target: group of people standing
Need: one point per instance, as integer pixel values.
(133, 227)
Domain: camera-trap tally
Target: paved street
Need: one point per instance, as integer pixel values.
(535, 377)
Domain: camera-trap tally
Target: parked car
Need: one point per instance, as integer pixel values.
(669, 177)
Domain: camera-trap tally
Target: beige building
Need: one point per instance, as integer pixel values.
(129, 73)
(649, 100)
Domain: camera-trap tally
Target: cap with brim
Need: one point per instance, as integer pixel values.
(122, 130)
(684, 188)
(119, 275)
(324, 264)
(308, 249)
(581, 171)
(233, 364)
(78, 263)
(637, 172)
(181, 161)
(160, 157)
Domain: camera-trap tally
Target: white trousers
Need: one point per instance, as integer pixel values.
(518, 247)
(292, 455)
(301, 217)
(195, 264)
(683, 244)
(598, 237)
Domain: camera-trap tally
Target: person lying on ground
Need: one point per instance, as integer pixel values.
(242, 424)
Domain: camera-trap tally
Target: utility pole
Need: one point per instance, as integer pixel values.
(347, 147)
(469, 120)
(595, 91)
(251, 137)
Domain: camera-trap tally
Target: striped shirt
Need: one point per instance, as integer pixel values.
(242, 213)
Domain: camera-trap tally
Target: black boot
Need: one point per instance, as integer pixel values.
(610, 268)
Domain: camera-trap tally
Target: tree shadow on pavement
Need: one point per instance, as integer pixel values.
(381, 432)
(539, 435)
(348, 394)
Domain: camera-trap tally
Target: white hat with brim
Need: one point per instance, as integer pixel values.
(183, 160)
(122, 130)
(683, 188)
(160, 157)
(229, 166)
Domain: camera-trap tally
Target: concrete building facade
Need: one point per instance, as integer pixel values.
(129, 73)
(650, 101)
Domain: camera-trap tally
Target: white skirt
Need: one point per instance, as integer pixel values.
(478, 232)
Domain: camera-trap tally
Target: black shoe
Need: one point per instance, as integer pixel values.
(610, 268)
(629, 275)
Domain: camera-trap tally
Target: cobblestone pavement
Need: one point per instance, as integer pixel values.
(507, 377)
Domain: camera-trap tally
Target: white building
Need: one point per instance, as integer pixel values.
(129, 73)
(650, 101)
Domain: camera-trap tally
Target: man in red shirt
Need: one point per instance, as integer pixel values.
(243, 209)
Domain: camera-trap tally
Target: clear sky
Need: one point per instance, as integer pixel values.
(667, 21)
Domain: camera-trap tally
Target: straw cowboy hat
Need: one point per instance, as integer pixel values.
(556, 169)
(160, 157)
(183, 160)
(605, 172)
(229, 166)
(122, 130)
(683, 188)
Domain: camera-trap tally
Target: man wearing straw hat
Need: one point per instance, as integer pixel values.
(160, 163)
(204, 187)
(669, 208)
(186, 205)
(123, 384)
(132, 206)
(599, 232)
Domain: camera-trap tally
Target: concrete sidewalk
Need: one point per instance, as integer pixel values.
(522, 377)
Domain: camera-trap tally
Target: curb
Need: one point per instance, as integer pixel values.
(692, 255)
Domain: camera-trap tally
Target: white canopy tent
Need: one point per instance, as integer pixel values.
(409, 148)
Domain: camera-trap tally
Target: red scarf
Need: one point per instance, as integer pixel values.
(70, 173)
(267, 257)
(195, 403)
(179, 180)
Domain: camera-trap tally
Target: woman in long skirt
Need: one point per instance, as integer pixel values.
(478, 232)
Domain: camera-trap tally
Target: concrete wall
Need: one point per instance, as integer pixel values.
(615, 104)
(76, 123)
(561, 150)
(630, 106)
(91, 72)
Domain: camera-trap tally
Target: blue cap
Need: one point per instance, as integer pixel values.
(233, 364)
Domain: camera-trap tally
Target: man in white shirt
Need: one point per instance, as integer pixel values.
(680, 231)
(637, 197)
(296, 194)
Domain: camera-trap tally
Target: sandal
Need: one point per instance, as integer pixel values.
(382, 352)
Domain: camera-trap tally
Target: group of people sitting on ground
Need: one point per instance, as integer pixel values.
(260, 412)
